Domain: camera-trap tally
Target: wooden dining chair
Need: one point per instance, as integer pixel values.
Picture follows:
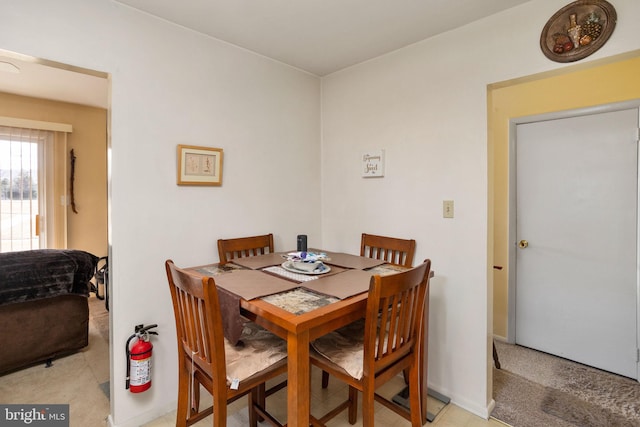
(389, 343)
(229, 249)
(206, 358)
(390, 249)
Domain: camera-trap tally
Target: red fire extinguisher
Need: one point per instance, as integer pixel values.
(139, 359)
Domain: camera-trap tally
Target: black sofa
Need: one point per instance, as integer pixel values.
(44, 309)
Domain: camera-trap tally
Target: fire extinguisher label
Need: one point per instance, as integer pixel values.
(140, 371)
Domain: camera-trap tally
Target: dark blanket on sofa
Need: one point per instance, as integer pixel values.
(43, 273)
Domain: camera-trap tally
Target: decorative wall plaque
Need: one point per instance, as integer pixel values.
(373, 164)
(578, 30)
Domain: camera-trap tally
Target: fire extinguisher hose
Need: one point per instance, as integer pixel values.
(128, 354)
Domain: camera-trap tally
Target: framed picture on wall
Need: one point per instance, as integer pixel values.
(199, 165)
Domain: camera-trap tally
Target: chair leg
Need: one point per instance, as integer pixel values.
(353, 405)
(261, 398)
(254, 397)
(195, 397)
(367, 405)
(220, 410)
(184, 406)
(325, 379)
(415, 404)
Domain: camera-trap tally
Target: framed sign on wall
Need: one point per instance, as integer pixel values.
(199, 165)
(373, 164)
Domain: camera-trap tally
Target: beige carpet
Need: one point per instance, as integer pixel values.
(519, 402)
(99, 317)
(536, 389)
(568, 407)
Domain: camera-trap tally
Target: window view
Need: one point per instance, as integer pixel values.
(19, 195)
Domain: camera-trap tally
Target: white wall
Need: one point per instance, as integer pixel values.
(426, 106)
(172, 86)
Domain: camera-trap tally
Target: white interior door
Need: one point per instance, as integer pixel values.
(577, 203)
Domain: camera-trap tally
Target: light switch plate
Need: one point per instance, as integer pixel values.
(447, 208)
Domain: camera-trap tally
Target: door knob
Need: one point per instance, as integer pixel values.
(523, 244)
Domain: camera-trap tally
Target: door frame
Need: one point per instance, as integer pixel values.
(512, 243)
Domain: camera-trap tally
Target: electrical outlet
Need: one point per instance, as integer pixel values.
(447, 208)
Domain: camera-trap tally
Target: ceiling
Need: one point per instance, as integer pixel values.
(317, 36)
(27, 76)
(322, 36)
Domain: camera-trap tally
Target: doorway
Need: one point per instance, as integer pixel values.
(81, 96)
(573, 230)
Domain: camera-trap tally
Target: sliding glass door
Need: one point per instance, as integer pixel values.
(22, 179)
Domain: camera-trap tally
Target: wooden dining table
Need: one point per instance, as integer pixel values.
(256, 284)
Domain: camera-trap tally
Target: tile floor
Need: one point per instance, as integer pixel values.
(77, 380)
(323, 400)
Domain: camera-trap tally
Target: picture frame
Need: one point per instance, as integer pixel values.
(578, 30)
(372, 164)
(199, 165)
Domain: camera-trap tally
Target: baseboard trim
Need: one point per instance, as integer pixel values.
(143, 418)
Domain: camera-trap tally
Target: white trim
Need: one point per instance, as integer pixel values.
(35, 124)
